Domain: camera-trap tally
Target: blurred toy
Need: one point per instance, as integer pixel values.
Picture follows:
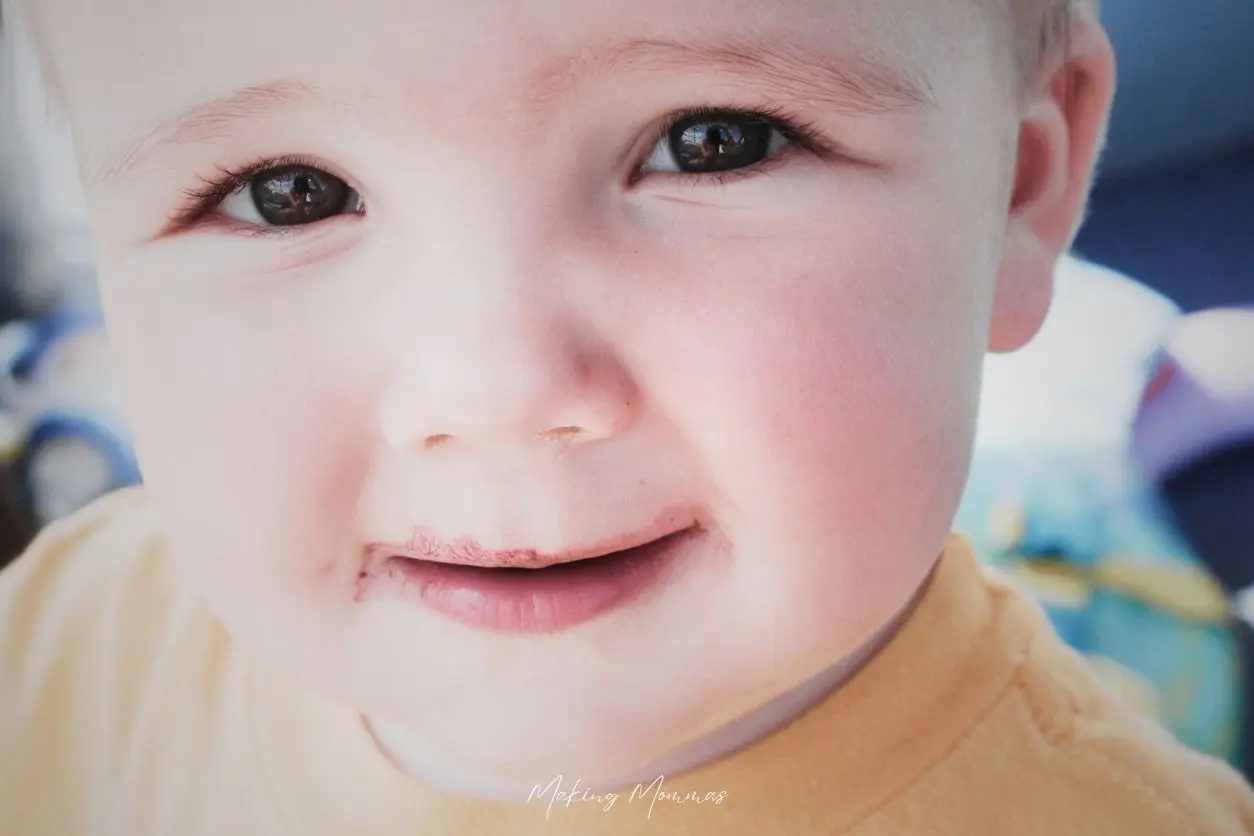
(1057, 501)
(1194, 440)
(65, 441)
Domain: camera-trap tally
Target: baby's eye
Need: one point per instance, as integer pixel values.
(715, 142)
(290, 195)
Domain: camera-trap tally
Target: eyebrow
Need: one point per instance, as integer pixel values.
(857, 85)
(860, 84)
(211, 121)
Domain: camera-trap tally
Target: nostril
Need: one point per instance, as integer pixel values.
(433, 441)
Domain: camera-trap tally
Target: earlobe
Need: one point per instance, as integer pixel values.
(1025, 287)
(1061, 132)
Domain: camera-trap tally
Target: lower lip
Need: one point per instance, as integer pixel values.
(529, 601)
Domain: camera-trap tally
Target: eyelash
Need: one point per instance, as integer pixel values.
(200, 201)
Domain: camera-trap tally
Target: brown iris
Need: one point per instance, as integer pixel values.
(295, 195)
(719, 143)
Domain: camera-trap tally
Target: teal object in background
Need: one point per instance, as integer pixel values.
(1081, 532)
(1055, 501)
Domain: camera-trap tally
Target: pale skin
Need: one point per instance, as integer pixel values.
(538, 335)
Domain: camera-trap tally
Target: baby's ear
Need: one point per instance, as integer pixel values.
(1061, 130)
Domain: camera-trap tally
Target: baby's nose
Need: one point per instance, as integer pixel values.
(525, 379)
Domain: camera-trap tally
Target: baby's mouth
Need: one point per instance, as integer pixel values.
(520, 590)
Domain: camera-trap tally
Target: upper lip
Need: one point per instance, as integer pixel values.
(467, 551)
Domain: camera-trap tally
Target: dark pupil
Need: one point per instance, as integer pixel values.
(705, 144)
(296, 195)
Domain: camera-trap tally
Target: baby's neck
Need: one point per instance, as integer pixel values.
(420, 762)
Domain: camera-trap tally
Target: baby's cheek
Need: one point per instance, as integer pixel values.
(830, 373)
(253, 436)
(830, 403)
(836, 427)
(262, 510)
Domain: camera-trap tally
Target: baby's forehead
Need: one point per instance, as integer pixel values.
(166, 55)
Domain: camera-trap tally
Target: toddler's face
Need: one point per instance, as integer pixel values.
(510, 284)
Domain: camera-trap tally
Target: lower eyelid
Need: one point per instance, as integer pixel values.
(224, 225)
(696, 179)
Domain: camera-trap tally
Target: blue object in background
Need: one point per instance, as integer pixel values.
(1175, 204)
(66, 441)
(1186, 82)
(1187, 232)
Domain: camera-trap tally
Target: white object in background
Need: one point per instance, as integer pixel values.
(42, 198)
(1079, 382)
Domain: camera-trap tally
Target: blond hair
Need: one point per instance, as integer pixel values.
(1039, 32)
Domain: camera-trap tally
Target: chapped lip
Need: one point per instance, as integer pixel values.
(467, 551)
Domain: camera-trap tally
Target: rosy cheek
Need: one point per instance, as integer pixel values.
(817, 368)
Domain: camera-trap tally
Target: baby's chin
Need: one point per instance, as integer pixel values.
(606, 755)
(608, 728)
(607, 738)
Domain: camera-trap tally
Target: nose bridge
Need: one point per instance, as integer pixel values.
(472, 259)
(489, 274)
(505, 348)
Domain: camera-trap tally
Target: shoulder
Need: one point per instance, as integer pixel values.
(105, 564)
(93, 618)
(1115, 763)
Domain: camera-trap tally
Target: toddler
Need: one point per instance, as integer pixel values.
(552, 415)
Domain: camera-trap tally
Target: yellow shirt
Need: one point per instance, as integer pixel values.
(126, 710)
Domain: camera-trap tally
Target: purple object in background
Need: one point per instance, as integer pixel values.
(1194, 438)
(1201, 399)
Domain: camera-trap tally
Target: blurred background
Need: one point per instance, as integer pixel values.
(1114, 468)
(1175, 208)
